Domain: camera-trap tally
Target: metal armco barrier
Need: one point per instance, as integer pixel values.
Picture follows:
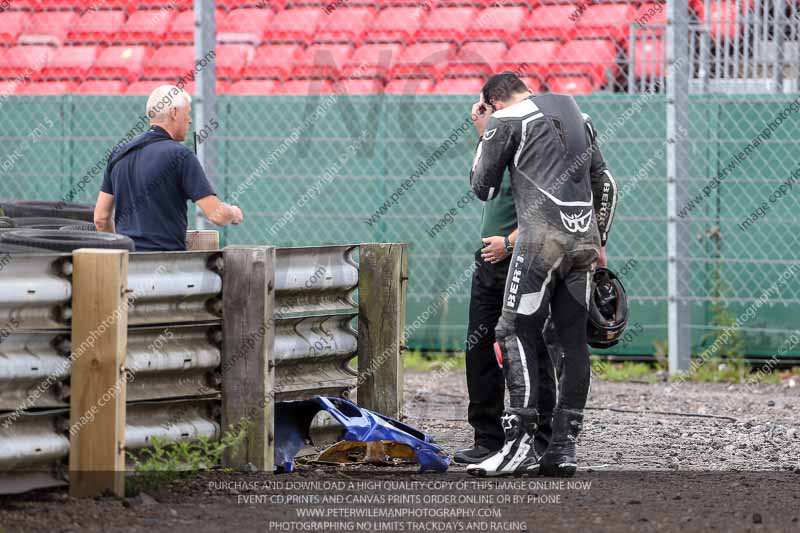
(174, 287)
(36, 291)
(104, 350)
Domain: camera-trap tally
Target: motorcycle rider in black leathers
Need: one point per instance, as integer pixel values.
(565, 200)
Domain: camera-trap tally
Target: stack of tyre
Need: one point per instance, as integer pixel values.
(32, 226)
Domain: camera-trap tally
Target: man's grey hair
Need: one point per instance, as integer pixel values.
(164, 98)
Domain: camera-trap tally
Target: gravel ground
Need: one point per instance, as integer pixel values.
(641, 471)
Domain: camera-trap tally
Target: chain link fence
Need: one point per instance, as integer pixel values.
(349, 122)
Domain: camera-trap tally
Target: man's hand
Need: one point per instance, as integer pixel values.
(602, 261)
(495, 249)
(480, 116)
(237, 215)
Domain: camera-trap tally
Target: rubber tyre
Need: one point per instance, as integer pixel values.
(12, 249)
(43, 222)
(32, 208)
(79, 227)
(66, 241)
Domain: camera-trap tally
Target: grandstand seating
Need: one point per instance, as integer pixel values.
(344, 25)
(96, 27)
(147, 26)
(11, 25)
(125, 62)
(322, 60)
(70, 62)
(291, 47)
(396, 24)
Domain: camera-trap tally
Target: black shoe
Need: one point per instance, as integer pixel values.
(474, 455)
(559, 459)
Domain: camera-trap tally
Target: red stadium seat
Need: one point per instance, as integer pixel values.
(294, 25)
(359, 87)
(396, 24)
(46, 88)
(723, 18)
(101, 87)
(71, 62)
(231, 59)
(606, 20)
(7, 88)
(652, 14)
(550, 22)
(78, 5)
(273, 61)
(47, 27)
(493, 23)
(446, 24)
(476, 59)
(345, 25)
(252, 87)
(423, 59)
(409, 86)
(592, 57)
(96, 26)
(147, 26)
(305, 87)
(531, 57)
(649, 59)
(244, 25)
(145, 87)
(570, 85)
(178, 4)
(372, 60)
(169, 62)
(121, 62)
(25, 61)
(182, 29)
(470, 86)
(534, 84)
(322, 61)
(11, 25)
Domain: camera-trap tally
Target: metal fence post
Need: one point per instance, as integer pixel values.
(382, 278)
(205, 32)
(678, 274)
(248, 367)
(98, 380)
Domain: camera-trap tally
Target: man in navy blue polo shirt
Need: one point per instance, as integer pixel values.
(148, 180)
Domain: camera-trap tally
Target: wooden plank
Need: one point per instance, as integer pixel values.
(202, 240)
(97, 383)
(382, 278)
(248, 370)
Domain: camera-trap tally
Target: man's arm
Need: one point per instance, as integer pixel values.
(219, 212)
(104, 213)
(604, 186)
(494, 152)
(200, 191)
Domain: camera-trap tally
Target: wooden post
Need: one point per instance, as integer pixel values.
(382, 277)
(248, 370)
(202, 240)
(97, 383)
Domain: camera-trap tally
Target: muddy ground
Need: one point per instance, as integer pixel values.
(644, 468)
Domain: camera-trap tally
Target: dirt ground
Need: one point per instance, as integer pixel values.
(643, 469)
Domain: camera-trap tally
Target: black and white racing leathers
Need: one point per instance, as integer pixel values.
(565, 199)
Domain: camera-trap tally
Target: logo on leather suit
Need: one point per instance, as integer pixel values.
(577, 223)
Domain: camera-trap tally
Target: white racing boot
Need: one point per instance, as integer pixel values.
(518, 455)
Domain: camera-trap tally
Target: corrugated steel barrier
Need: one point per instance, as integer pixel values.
(174, 357)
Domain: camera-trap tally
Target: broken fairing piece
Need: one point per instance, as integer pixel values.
(293, 423)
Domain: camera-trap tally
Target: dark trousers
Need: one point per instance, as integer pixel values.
(485, 381)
